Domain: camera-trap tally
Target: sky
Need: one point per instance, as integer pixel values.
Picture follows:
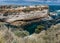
(29, 2)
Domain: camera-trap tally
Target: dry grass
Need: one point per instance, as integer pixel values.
(52, 35)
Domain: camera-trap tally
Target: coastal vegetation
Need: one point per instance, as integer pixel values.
(39, 28)
(44, 29)
(21, 33)
(51, 35)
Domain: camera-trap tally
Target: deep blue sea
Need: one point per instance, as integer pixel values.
(54, 7)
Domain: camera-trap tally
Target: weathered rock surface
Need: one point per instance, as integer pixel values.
(36, 13)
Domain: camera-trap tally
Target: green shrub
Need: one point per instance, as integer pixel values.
(15, 41)
(21, 33)
(39, 28)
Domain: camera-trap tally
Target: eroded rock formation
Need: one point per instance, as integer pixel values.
(25, 14)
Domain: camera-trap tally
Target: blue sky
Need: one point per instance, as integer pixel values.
(29, 2)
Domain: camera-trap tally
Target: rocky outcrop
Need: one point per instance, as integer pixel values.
(29, 16)
(32, 14)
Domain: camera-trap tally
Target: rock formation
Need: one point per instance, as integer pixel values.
(25, 14)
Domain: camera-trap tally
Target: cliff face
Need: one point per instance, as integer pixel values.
(24, 15)
(29, 16)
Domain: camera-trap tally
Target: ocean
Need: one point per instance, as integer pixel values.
(54, 8)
